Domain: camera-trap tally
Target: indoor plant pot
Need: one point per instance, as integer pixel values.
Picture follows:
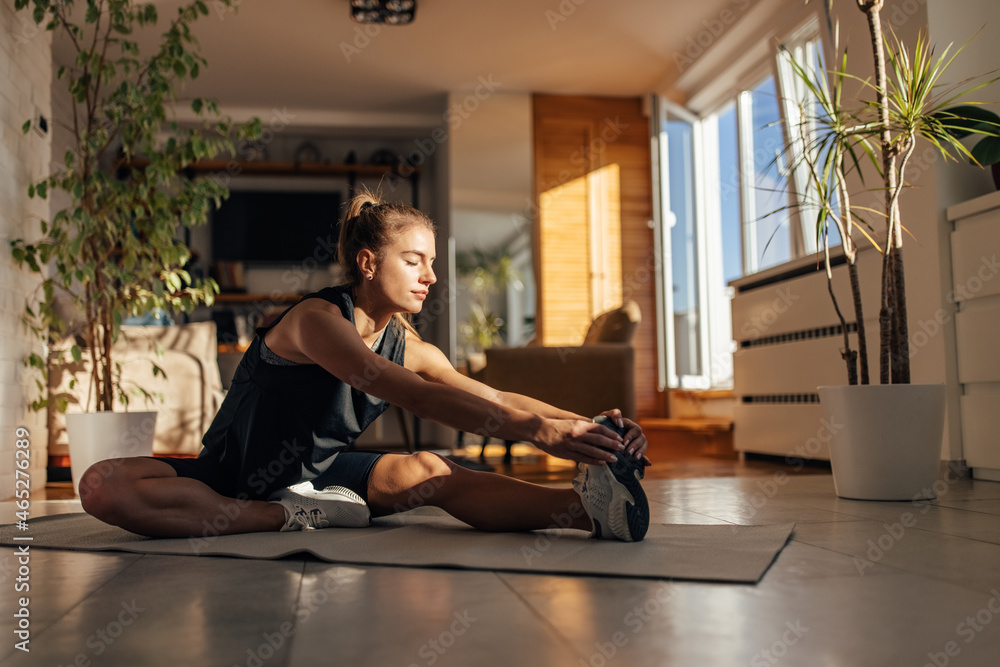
(887, 443)
(848, 126)
(98, 436)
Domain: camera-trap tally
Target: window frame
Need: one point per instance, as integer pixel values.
(708, 236)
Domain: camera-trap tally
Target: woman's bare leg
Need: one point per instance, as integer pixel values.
(147, 497)
(481, 499)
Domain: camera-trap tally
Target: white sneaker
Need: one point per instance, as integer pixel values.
(307, 508)
(613, 496)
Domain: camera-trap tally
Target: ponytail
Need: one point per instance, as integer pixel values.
(371, 223)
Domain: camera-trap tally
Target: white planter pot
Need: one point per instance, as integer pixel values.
(886, 441)
(97, 436)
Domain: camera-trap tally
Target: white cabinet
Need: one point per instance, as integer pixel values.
(975, 250)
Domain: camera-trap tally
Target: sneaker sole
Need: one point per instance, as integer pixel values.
(339, 513)
(632, 509)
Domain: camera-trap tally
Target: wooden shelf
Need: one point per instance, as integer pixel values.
(250, 297)
(263, 168)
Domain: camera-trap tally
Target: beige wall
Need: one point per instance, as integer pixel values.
(25, 78)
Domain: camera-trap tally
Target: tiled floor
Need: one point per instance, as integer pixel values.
(859, 584)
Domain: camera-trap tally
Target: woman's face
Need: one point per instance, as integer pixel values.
(404, 273)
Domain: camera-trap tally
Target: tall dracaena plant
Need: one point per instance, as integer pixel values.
(114, 250)
(909, 103)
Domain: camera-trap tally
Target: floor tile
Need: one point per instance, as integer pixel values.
(964, 562)
(57, 581)
(402, 616)
(925, 515)
(886, 620)
(176, 611)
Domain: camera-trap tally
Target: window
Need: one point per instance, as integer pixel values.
(732, 201)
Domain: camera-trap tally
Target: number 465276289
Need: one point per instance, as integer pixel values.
(22, 483)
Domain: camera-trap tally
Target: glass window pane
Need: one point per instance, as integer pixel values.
(729, 194)
(684, 248)
(772, 233)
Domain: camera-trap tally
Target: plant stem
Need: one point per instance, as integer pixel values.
(850, 356)
(900, 329)
(851, 252)
(852, 270)
(890, 296)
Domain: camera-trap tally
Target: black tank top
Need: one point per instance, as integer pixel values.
(283, 424)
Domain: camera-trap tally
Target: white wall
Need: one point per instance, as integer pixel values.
(491, 185)
(25, 76)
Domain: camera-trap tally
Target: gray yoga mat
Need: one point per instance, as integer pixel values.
(428, 538)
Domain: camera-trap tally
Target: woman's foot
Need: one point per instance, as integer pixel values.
(613, 497)
(307, 508)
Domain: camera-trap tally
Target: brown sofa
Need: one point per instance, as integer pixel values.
(192, 390)
(587, 379)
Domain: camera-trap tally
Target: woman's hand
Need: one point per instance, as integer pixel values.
(580, 440)
(635, 439)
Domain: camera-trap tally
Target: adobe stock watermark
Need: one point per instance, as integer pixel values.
(435, 647)
(102, 638)
(768, 488)
(892, 533)
(926, 330)
(562, 12)
(544, 540)
(758, 325)
(129, 445)
(289, 456)
(453, 118)
(968, 629)
(712, 28)
(362, 39)
(778, 649)
(304, 610)
(224, 10)
(23, 33)
(248, 150)
(611, 129)
(633, 622)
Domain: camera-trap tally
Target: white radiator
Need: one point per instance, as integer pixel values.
(789, 341)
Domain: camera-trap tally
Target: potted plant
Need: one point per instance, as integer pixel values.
(113, 249)
(967, 119)
(486, 273)
(889, 448)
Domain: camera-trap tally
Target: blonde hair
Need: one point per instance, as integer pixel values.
(372, 224)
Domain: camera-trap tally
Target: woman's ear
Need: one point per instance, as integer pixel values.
(366, 262)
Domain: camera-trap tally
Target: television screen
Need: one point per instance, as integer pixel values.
(276, 227)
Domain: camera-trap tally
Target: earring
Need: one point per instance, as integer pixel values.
(370, 276)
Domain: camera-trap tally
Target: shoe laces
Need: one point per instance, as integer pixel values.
(311, 518)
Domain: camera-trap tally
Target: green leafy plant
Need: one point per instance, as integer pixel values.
(485, 274)
(113, 251)
(965, 120)
(906, 103)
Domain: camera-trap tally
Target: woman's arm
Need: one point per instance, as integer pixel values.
(430, 363)
(322, 334)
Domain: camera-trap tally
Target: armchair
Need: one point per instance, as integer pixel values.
(588, 379)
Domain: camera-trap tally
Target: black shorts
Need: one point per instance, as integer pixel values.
(350, 469)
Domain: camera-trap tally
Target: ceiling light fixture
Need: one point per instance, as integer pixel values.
(391, 12)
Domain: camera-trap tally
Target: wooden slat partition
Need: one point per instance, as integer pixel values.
(593, 243)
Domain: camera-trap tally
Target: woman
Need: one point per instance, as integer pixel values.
(314, 379)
